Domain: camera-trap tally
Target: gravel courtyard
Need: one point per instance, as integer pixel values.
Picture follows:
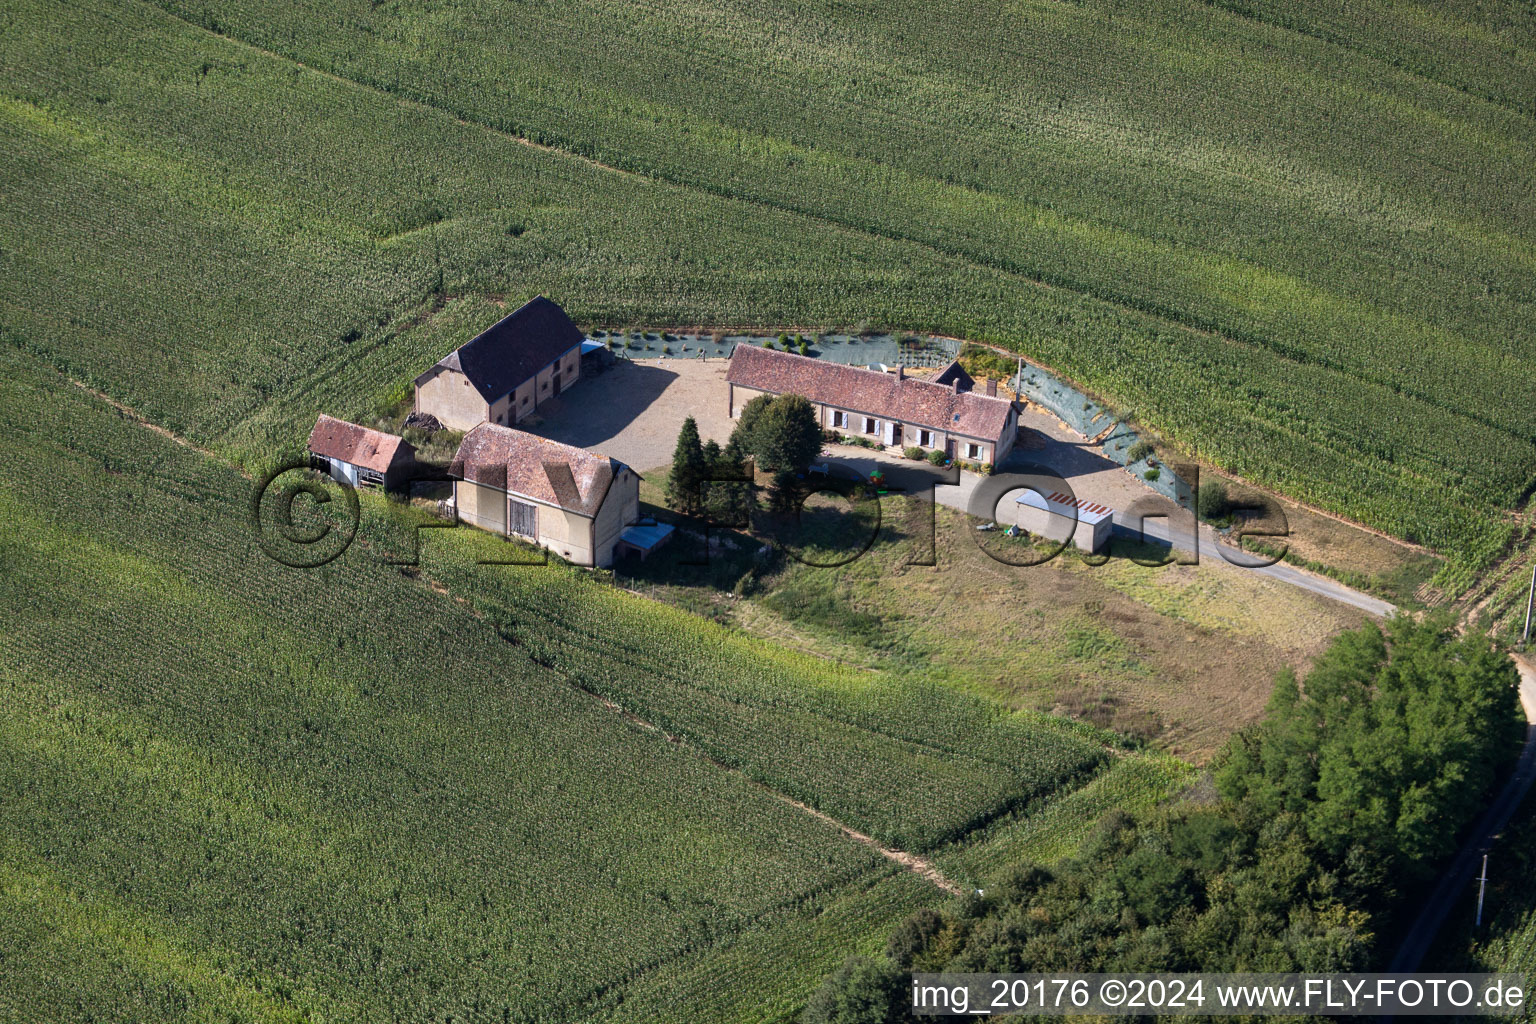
(632, 411)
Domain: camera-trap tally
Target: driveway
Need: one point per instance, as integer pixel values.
(633, 410)
(1140, 513)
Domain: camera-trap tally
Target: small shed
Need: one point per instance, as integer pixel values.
(1056, 515)
(356, 455)
(644, 538)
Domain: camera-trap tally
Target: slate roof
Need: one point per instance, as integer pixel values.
(513, 349)
(953, 372)
(348, 442)
(558, 474)
(871, 392)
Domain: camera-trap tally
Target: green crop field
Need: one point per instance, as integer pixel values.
(1298, 242)
(244, 791)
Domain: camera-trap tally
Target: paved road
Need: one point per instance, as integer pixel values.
(1165, 522)
(1469, 860)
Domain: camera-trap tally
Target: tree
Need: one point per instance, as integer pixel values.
(785, 436)
(730, 498)
(862, 991)
(747, 421)
(1387, 748)
(685, 482)
(1213, 502)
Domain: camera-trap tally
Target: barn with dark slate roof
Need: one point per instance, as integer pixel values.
(504, 373)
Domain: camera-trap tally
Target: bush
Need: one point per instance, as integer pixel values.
(1152, 474)
(863, 991)
(937, 457)
(1213, 501)
(915, 453)
(1140, 450)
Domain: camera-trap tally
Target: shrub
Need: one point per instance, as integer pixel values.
(937, 457)
(863, 991)
(1140, 450)
(1213, 501)
(1152, 474)
(915, 453)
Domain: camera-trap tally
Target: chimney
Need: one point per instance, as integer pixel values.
(954, 385)
(991, 388)
(901, 372)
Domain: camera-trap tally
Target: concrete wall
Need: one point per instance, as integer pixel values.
(449, 397)
(458, 406)
(566, 534)
(570, 367)
(1087, 536)
(621, 508)
(574, 537)
(740, 396)
(522, 401)
(485, 507)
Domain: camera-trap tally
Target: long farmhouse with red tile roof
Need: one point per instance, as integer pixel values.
(894, 409)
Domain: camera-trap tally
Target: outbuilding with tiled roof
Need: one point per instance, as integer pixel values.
(574, 502)
(358, 455)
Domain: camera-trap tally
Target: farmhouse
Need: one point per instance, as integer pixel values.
(504, 373)
(574, 502)
(894, 409)
(357, 455)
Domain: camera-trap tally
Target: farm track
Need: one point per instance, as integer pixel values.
(919, 866)
(1485, 835)
(1154, 312)
(148, 424)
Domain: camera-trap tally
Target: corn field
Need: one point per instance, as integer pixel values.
(1311, 271)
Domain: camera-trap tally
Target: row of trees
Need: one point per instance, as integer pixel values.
(1347, 795)
(777, 434)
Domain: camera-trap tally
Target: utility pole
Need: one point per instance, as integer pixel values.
(1482, 885)
(1530, 598)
